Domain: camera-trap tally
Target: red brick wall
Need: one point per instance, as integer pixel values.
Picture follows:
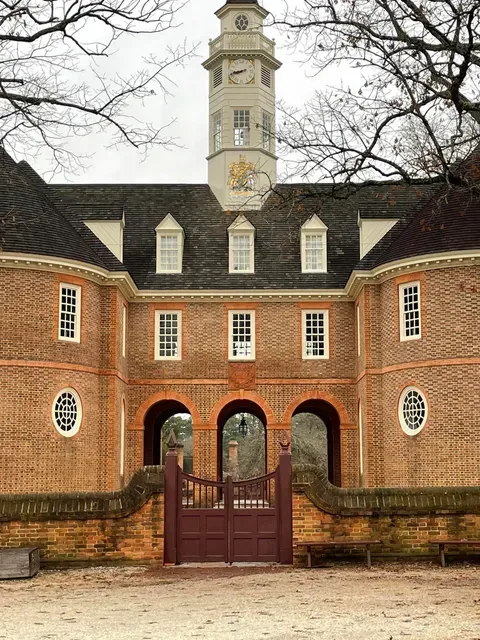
(137, 537)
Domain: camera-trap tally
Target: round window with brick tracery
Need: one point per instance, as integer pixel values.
(412, 410)
(241, 22)
(67, 412)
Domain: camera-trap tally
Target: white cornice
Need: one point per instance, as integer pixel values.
(124, 281)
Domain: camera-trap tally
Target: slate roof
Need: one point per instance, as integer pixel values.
(49, 220)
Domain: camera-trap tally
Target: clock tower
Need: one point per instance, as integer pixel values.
(242, 65)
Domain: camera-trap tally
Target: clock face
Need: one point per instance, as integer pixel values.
(241, 71)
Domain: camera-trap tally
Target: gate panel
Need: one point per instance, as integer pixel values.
(202, 521)
(248, 521)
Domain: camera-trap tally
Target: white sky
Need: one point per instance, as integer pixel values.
(188, 104)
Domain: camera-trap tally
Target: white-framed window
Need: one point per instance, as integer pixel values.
(69, 317)
(241, 335)
(67, 412)
(359, 336)
(314, 246)
(217, 131)
(267, 128)
(410, 318)
(241, 246)
(315, 338)
(241, 127)
(168, 335)
(412, 410)
(124, 331)
(170, 241)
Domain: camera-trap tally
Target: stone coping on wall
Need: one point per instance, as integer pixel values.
(83, 506)
(313, 481)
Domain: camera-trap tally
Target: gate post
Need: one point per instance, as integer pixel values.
(285, 503)
(171, 500)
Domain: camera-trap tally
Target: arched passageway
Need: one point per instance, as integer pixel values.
(319, 420)
(244, 422)
(162, 417)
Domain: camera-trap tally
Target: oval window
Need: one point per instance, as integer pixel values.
(67, 412)
(412, 410)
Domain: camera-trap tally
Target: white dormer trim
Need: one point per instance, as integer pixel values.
(169, 228)
(313, 227)
(372, 230)
(110, 233)
(241, 227)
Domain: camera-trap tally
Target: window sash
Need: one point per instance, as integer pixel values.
(241, 335)
(69, 313)
(410, 311)
(313, 247)
(241, 252)
(315, 338)
(169, 253)
(241, 127)
(168, 335)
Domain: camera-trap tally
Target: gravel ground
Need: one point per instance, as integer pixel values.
(336, 602)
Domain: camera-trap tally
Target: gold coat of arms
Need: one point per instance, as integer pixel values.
(241, 179)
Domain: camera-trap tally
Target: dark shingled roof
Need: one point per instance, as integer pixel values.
(49, 220)
(30, 223)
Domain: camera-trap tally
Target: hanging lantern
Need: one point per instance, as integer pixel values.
(243, 426)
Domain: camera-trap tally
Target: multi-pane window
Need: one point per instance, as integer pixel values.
(241, 252)
(168, 334)
(217, 131)
(169, 253)
(267, 122)
(67, 412)
(314, 259)
(315, 334)
(412, 410)
(241, 127)
(242, 335)
(410, 323)
(69, 313)
(241, 22)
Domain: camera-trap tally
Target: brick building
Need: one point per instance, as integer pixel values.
(122, 305)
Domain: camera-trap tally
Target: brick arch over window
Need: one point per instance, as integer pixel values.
(139, 423)
(238, 396)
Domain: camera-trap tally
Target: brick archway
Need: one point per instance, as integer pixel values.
(238, 396)
(334, 415)
(139, 422)
(316, 395)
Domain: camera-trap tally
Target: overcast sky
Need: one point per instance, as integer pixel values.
(188, 105)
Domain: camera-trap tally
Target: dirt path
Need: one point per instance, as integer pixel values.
(335, 603)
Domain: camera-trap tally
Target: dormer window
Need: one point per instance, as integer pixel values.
(314, 246)
(241, 246)
(170, 240)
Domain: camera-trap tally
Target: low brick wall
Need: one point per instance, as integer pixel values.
(120, 526)
(128, 525)
(403, 519)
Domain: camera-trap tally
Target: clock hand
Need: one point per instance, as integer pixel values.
(240, 71)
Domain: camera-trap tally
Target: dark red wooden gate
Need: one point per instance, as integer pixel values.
(247, 521)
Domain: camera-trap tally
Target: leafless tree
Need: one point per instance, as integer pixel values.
(56, 81)
(407, 103)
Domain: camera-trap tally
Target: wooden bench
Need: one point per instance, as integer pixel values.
(22, 562)
(333, 544)
(442, 543)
